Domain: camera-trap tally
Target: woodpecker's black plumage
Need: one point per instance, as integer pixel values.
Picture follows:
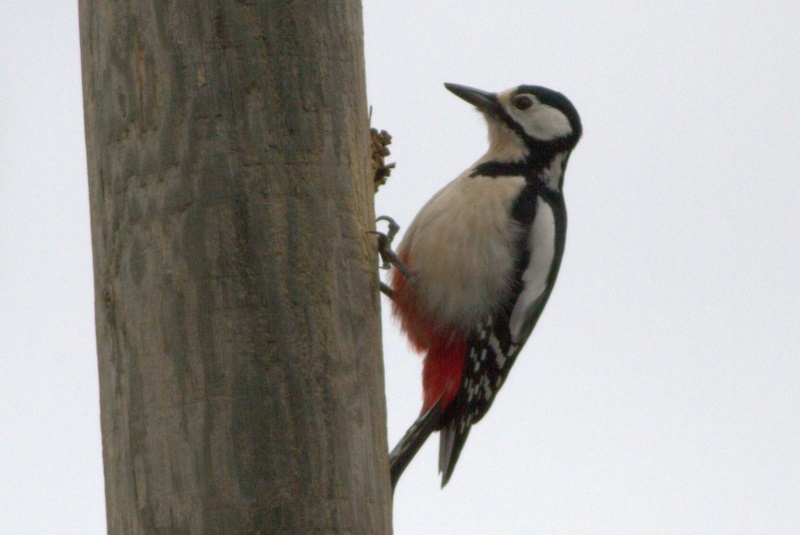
(487, 367)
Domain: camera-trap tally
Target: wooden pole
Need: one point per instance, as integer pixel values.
(237, 303)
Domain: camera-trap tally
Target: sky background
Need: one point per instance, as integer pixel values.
(660, 391)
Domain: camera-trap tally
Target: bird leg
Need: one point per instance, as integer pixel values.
(387, 290)
(388, 256)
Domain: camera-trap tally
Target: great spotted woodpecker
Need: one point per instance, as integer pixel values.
(477, 265)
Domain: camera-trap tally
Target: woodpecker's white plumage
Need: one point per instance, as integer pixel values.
(484, 252)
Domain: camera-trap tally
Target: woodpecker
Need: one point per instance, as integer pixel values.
(476, 266)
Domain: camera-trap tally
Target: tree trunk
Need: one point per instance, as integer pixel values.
(237, 303)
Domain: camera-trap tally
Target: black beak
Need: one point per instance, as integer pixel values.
(486, 102)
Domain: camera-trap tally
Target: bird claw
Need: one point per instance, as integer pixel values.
(394, 228)
(388, 256)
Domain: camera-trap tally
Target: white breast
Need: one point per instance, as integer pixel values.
(542, 243)
(461, 248)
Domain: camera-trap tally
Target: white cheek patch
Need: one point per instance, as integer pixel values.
(542, 244)
(544, 122)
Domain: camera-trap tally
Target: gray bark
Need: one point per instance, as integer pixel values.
(237, 304)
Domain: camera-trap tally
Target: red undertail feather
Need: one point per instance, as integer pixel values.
(441, 373)
(445, 349)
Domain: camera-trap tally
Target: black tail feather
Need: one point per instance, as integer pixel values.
(451, 441)
(412, 441)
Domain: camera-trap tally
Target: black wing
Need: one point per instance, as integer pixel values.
(491, 350)
(490, 355)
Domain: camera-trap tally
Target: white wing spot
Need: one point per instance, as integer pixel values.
(465, 422)
(487, 388)
(542, 245)
(499, 356)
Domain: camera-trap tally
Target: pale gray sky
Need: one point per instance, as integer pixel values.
(660, 392)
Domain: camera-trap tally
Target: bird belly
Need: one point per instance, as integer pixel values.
(463, 270)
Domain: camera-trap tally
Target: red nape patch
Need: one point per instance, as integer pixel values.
(441, 372)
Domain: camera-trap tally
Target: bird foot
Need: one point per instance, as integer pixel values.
(388, 256)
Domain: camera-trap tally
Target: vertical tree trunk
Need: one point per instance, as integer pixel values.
(236, 300)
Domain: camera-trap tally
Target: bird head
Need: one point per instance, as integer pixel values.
(525, 120)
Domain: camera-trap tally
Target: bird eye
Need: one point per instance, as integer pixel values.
(522, 102)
